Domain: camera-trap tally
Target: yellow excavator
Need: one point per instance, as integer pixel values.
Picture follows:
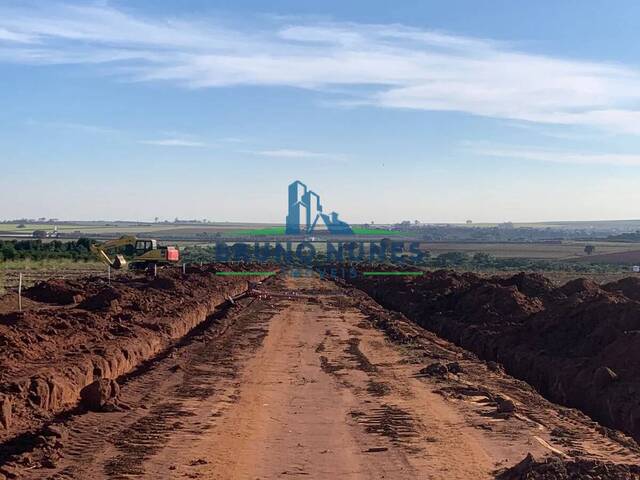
(146, 252)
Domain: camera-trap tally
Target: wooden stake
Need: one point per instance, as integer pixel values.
(20, 293)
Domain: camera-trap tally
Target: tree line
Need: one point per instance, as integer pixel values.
(77, 250)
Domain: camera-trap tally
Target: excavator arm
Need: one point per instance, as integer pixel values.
(100, 250)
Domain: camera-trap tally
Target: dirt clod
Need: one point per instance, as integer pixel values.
(5, 412)
(505, 404)
(436, 369)
(97, 395)
(56, 431)
(454, 367)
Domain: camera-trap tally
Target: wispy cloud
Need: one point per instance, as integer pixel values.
(551, 155)
(74, 126)
(299, 154)
(173, 142)
(9, 36)
(388, 66)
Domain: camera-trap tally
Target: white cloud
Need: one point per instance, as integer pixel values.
(554, 156)
(389, 66)
(9, 36)
(173, 142)
(299, 154)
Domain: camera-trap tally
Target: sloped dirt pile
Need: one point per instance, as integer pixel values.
(58, 292)
(629, 287)
(555, 468)
(530, 284)
(578, 344)
(48, 355)
(106, 299)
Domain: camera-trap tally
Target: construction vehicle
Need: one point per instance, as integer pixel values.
(146, 253)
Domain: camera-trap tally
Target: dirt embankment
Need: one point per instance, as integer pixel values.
(76, 332)
(578, 344)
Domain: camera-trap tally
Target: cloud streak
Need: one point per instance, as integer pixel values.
(287, 153)
(174, 142)
(554, 156)
(387, 66)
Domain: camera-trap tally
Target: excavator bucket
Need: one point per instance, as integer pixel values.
(119, 262)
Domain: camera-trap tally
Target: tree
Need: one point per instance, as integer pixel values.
(482, 258)
(589, 249)
(8, 251)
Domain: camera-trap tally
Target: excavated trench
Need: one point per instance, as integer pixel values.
(578, 344)
(86, 330)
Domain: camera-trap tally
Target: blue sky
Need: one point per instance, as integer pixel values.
(439, 111)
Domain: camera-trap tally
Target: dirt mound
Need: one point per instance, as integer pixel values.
(580, 286)
(629, 287)
(106, 299)
(488, 303)
(578, 344)
(49, 354)
(163, 283)
(58, 292)
(555, 468)
(530, 284)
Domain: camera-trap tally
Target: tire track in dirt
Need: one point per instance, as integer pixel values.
(312, 379)
(164, 399)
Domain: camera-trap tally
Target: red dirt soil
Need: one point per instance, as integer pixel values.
(48, 353)
(578, 344)
(556, 468)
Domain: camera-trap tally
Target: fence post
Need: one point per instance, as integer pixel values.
(184, 268)
(20, 293)
(155, 270)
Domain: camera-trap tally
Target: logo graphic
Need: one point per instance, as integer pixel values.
(306, 216)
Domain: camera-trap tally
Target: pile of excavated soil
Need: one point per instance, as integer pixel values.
(555, 468)
(578, 344)
(58, 292)
(94, 330)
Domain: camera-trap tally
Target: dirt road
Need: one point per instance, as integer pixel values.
(303, 382)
